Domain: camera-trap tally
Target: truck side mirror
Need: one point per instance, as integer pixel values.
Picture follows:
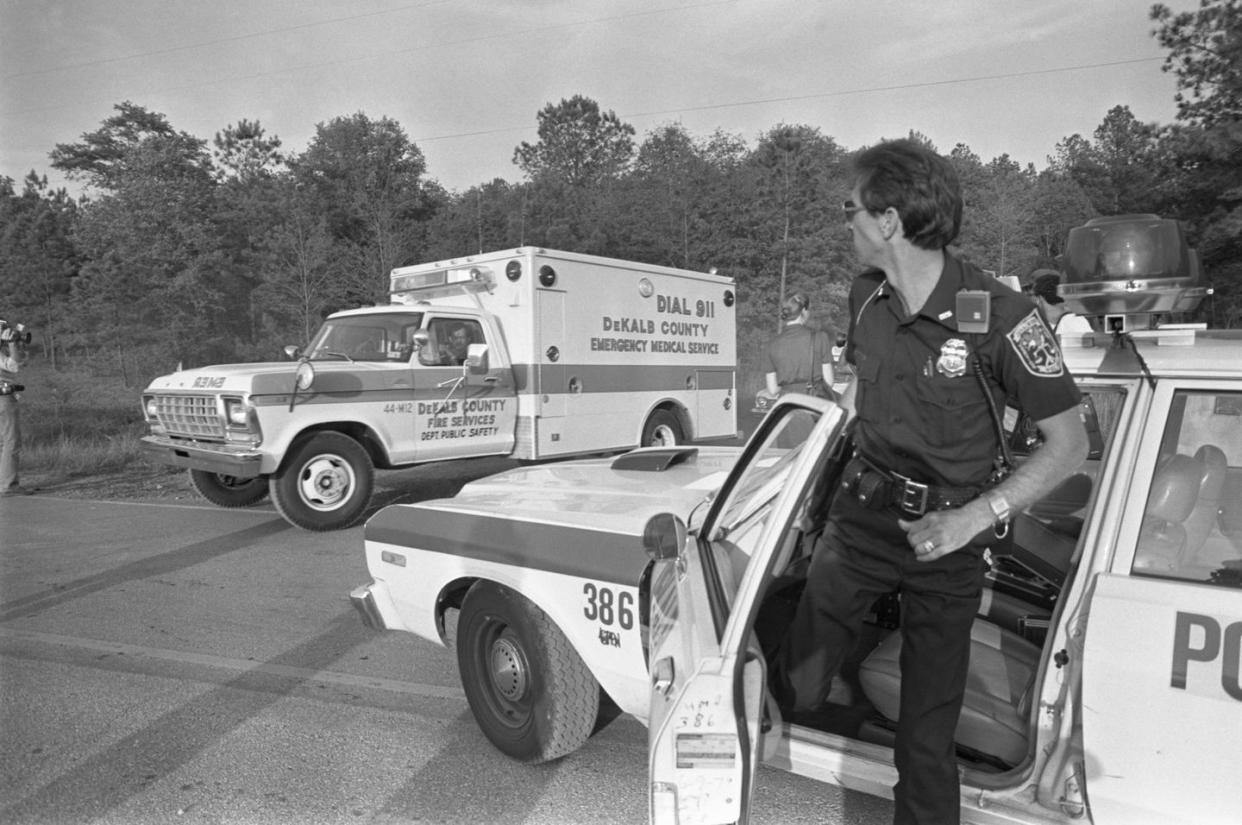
(421, 341)
(292, 352)
(476, 359)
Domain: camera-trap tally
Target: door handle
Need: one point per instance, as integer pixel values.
(662, 675)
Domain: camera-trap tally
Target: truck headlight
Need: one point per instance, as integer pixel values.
(236, 413)
(151, 407)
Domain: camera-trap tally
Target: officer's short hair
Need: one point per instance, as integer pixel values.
(921, 185)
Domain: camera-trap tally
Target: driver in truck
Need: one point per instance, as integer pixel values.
(925, 493)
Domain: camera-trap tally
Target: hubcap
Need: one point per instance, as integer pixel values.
(326, 482)
(508, 670)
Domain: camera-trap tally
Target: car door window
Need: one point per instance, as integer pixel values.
(734, 532)
(1192, 519)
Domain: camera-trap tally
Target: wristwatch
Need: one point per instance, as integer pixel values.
(999, 506)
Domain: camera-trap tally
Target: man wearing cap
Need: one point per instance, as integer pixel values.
(1063, 322)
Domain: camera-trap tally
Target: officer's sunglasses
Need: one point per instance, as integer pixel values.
(851, 209)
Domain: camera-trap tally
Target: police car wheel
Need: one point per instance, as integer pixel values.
(529, 691)
(325, 483)
(662, 430)
(228, 491)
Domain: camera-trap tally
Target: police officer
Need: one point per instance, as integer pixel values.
(921, 500)
(12, 356)
(799, 354)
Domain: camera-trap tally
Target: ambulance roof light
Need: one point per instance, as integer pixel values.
(439, 282)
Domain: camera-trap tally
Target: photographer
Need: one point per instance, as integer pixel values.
(13, 342)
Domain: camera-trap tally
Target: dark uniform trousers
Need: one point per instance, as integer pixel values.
(863, 554)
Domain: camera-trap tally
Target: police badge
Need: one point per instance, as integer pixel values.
(952, 360)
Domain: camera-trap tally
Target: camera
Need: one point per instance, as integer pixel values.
(14, 334)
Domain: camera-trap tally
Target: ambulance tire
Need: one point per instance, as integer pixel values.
(324, 483)
(228, 491)
(662, 430)
(529, 690)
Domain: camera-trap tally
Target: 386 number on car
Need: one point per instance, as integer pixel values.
(608, 607)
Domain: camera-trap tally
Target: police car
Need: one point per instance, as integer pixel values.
(1105, 681)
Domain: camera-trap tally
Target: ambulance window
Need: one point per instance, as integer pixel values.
(371, 337)
(1192, 520)
(450, 341)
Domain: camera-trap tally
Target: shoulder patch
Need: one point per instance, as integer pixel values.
(1036, 347)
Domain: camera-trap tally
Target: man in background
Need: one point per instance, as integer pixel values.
(1063, 322)
(12, 356)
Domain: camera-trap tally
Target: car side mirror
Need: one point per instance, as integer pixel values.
(292, 352)
(663, 536)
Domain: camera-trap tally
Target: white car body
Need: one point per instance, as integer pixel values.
(1105, 682)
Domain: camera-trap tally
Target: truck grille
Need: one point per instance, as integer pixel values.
(189, 415)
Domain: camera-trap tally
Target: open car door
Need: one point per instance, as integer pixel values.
(708, 676)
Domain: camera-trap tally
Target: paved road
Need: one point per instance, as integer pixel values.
(164, 663)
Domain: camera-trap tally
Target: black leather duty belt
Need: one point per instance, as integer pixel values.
(876, 487)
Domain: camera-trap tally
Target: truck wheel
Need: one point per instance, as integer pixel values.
(662, 430)
(528, 689)
(228, 491)
(325, 483)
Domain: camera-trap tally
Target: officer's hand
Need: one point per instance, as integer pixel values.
(940, 533)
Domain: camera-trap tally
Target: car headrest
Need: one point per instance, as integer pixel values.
(1216, 466)
(1175, 488)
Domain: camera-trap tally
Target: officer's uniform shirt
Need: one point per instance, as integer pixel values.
(920, 408)
(797, 356)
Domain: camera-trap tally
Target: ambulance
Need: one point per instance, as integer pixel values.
(529, 353)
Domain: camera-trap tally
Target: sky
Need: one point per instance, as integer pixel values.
(465, 79)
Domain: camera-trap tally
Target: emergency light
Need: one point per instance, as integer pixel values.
(436, 283)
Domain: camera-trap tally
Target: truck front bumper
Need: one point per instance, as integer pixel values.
(225, 459)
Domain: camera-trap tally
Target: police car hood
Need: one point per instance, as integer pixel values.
(272, 376)
(616, 495)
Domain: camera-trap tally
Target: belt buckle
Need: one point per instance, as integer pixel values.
(913, 496)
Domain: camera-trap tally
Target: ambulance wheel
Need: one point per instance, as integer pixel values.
(228, 491)
(325, 483)
(529, 691)
(662, 430)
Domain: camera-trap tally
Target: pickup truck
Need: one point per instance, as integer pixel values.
(1105, 681)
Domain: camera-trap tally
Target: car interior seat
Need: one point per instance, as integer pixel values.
(1230, 517)
(1174, 491)
(1202, 519)
(999, 689)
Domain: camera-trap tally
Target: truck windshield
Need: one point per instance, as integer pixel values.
(371, 337)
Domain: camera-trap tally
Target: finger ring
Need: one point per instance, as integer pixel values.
(928, 546)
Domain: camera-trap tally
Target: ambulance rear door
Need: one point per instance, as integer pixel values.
(1161, 698)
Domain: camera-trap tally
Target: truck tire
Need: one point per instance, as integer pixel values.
(662, 430)
(325, 483)
(228, 491)
(529, 691)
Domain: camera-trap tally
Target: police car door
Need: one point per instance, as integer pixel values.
(466, 402)
(1162, 701)
(707, 672)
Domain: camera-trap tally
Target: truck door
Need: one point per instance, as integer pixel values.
(464, 392)
(708, 673)
(1162, 699)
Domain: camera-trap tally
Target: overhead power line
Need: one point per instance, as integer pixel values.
(818, 95)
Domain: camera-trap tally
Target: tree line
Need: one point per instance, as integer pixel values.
(199, 252)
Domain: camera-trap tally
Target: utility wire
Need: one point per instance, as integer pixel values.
(838, 93)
